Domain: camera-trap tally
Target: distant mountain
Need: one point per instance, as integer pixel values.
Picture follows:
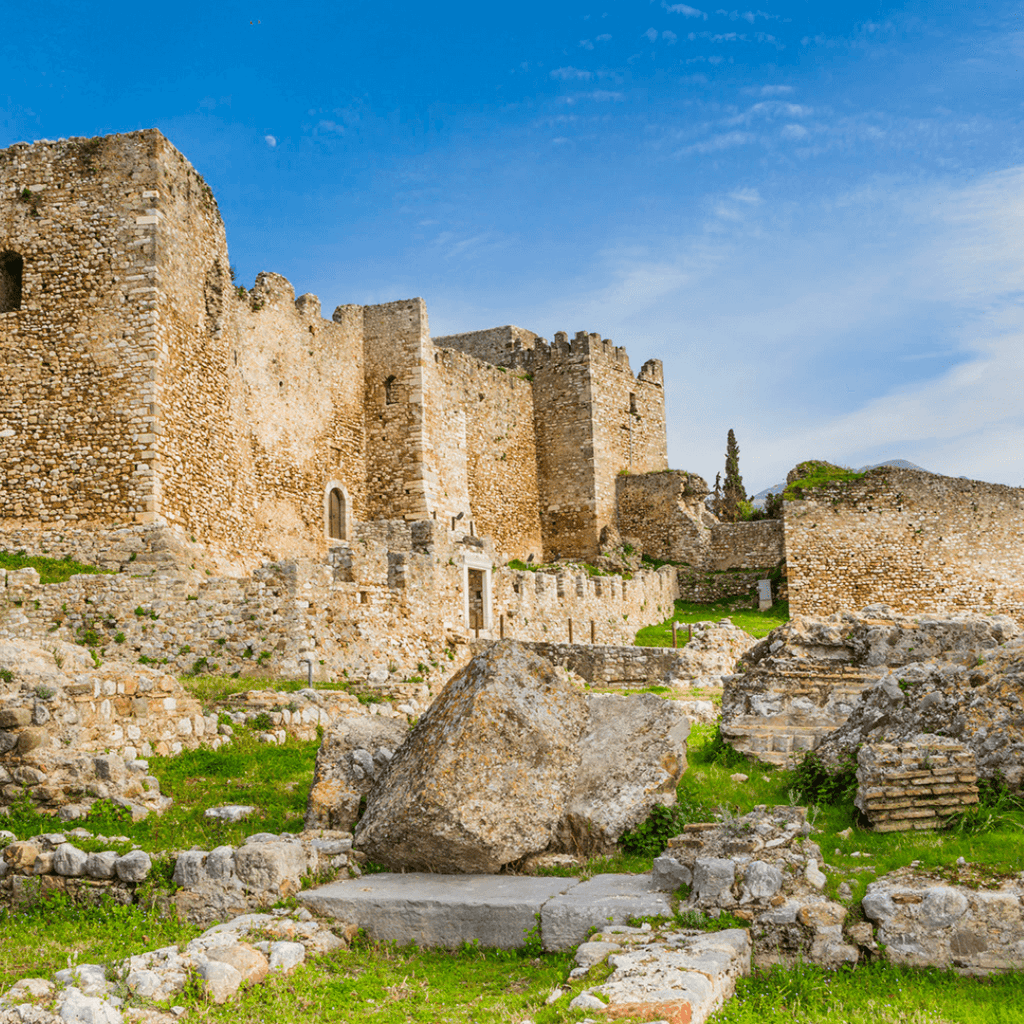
(758, 499)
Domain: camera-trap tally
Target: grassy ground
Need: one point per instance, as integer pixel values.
(754, 622)
(51, 570)
(874, 994)
(274, 779)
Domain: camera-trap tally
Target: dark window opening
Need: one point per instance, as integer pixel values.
(632, 403)
(336, 515)
(11, 266)
(476, 598)
(389, 391)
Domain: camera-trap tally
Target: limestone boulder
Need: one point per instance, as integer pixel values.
(805, 679)
(977, 704)
(352, 755)
(632, 755)
(486, 775)
(714, 652)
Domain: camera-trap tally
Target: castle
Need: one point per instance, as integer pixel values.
(141, 385)
(355, 481)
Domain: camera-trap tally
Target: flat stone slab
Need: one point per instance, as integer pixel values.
(439, 910)
(494, 910)
(602, 900)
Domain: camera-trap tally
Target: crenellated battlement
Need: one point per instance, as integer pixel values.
(142, 385)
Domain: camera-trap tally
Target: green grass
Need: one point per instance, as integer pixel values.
(815, 474)
(46, 938)
(51, 570)
(379, 983)
(274, 779)
(752, 621)
(211, 687)
(874, 993)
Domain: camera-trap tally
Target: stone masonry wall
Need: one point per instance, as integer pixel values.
(141, 386)
(604, 665)
(393, 597)
(746, 545)
(78, 357)
(490, 434)
(665, 511)
(914, 541)
(918, 785)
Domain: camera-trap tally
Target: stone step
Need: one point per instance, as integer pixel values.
(493, 910)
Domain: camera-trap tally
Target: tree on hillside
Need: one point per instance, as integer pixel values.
(733, 491)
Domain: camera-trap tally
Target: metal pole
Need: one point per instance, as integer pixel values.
(501, 626)
(570, 630)
(593, 632)
(675, 639)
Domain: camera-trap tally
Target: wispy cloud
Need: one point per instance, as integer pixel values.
(719, 142)
(270, 140)
(685, 10)
(570, 73)
(586, 44)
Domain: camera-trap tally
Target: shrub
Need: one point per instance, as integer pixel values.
(816, 782)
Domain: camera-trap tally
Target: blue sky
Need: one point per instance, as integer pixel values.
(813, 213)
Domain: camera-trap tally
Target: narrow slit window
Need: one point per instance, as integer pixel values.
(632, 403)
(11, 267)
(389, 391)
(336, 515)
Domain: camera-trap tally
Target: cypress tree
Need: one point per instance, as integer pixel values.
(733, 491)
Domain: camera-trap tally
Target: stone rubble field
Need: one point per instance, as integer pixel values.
(514, 765)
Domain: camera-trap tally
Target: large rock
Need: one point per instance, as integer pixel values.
(353, 754)
(923, 920)
(633, 755)
(977, 703)
(713, 652)
(803, 681)
(486, 775)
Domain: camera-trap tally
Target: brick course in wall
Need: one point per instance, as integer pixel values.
(914, 541)
(914, 786)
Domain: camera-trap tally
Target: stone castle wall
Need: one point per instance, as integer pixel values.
(394, 596)
(914, 541)
(142, 386)
(489, 436)
(79, 355)
(592, 420)
(746, 545)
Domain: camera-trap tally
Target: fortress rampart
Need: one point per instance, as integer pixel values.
(915, 541)
(142, 386)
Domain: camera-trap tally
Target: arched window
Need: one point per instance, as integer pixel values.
(336, 514)
(389, 391)
(11, 266)
(337, 525)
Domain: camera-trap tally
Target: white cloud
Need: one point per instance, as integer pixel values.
(794, 131)
(718, 143)
(270, 141)
(604, 37)
(669, 36)
(776, 90)
(686, 10)
(652, 34)
(856, 327)
(330, 126)
(571, 73)
(586, 44)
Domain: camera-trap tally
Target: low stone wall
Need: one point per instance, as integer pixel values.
(211, 885)
(710, 587)
(741, 545)
(969, 921)
(603, 665)
(392, 600)
(915, 785)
